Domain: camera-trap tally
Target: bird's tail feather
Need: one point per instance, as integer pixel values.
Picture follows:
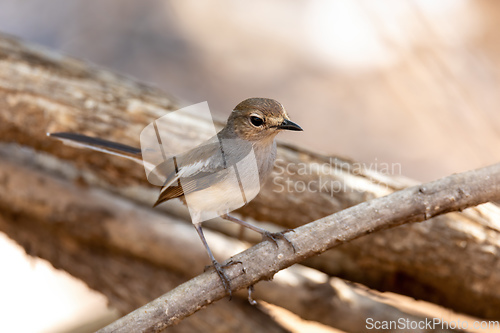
(109, 147)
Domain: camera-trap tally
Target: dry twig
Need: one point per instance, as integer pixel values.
(415, 204)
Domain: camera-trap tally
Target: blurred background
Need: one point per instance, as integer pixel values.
(408, 82)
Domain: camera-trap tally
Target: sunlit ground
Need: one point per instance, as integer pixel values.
(35, 297)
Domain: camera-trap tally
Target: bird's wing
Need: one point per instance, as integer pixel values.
(200, 168)
(109, 147)
(192, 171)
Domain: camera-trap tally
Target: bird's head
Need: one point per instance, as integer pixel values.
(260, 119)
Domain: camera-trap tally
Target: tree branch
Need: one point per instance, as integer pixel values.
(262, 261)
(128, 245)
(87, 232)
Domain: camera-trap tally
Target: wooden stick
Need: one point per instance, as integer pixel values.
(414, 204)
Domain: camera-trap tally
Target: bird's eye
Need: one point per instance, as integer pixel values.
(256, 121)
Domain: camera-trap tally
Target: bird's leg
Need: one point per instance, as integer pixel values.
(272, 236)
(218, 267)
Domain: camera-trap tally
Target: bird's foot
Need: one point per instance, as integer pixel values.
(222, 275)
(274, 236)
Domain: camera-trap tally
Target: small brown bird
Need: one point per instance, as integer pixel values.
(213, 178)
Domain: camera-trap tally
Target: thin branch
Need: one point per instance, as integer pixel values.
(86, 232)
(154, 247)
(415, 204)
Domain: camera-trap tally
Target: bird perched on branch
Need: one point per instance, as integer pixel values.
(220, 175)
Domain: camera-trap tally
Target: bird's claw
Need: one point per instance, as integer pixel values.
(274, 236)
(232, 262)
(222, 275)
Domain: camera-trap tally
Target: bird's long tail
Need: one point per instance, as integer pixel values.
(109, 147)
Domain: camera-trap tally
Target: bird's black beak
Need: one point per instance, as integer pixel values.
(289, 125)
